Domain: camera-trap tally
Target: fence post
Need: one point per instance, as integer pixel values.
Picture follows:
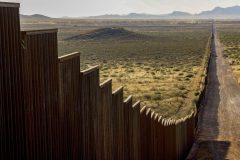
(105, 124)
(69, 109)
(41, 100)
(145, 129)
(170, 140)
(127, 121)
(89, 102)
(190, 132)
(157, 137)
(118, 122)
(12, 140)
(136, 131)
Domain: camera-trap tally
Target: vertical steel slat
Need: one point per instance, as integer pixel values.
(145, 121)
(2, 106)
(69, 74)
(126, 130)
(136, 131)
(104, 122)
(117, 104)
(170, 142)
(89, 96)
(40, 56)
(11, 91)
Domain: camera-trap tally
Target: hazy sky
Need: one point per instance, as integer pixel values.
(78, 8)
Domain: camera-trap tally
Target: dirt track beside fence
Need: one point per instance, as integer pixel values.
(218, 136)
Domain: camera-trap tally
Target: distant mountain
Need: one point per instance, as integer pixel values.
(218, 12)
(143, 16)
(128, 16)
(179, 14)
(235, 10)
(34, 16)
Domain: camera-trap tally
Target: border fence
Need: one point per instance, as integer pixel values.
(50, 110)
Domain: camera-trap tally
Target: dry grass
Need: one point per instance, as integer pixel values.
(230, 38)
(164, 70)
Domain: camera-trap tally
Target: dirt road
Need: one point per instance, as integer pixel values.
(219, 125)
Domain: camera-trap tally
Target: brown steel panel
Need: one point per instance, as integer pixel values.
(105, 124)
(184, 135)
(118, 122)
(190, 132)
(89, 97)
(41, 94)
(160, 138)
(69, 81)
(157, 137)
(170, 142)
(136, 131)
(145, 126)
(9, 5)
(126, 131)
(12, 140)
(69, 56)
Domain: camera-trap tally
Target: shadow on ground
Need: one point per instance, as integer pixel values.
(207, 146)
(205, 151)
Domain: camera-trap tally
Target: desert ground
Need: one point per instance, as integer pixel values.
(161, 63)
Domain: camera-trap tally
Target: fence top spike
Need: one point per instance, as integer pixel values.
(156, 117)
(118, 90)
(182, 119)
(136, 104)
(167, 122)
(148, 111)
(69, 56)
(164, 122)
(152, 114)
(105, 83)
(159, 118)
(90, 70)
(128, 100)
(40, 31)
(9, 4)
(174, 121)
(143, 109)
(179, 121)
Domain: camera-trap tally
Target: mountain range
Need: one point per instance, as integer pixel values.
(34, 16)
(216, 13)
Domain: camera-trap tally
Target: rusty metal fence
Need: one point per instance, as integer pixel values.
(12, 136)
(49, 109)
(41, 102)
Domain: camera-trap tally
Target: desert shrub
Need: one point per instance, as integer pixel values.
(147, 96)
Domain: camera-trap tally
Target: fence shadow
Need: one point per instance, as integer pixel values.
(206, 153)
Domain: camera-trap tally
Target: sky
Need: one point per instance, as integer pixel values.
(81, 8)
